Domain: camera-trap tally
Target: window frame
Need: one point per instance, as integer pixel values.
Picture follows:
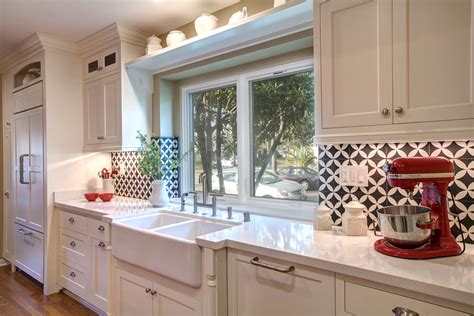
(242, 82)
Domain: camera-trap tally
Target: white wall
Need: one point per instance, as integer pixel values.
(67, 167)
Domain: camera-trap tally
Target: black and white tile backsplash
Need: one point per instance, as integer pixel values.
(379, 193)
(131, 183)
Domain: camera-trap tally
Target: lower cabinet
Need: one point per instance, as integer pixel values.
(85, 263)
(356, 299)
(259, 285)
(137, 295)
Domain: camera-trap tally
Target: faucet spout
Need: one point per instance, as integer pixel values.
(203, 182)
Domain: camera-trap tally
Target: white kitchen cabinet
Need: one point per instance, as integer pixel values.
(28, 98)
(260, 290)
(132, 294)
(432, 60)
(101, 257)
(102, 63)
(86, 258)
(29, 251)
(356, 62)
(28, 184)
(117, 101)
(102, 111)
(7, 107)
(352, 300)
(394, 70)
(138, 295)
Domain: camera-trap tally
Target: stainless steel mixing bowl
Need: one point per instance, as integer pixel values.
(398, 225)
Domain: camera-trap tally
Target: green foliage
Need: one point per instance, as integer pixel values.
(300, 156)
(151, 163)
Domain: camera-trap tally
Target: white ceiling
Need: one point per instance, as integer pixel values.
(75, 19)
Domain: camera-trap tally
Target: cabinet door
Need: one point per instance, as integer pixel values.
(7, 101)
(132, 294)
(8, 234)
(93, 112)
(167, 302)
(356, 63)
(433, 64)
(100, 274)
(112, 119)
(255, 290)
(22, 151)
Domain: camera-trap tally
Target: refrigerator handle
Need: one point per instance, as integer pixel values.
(22, 171)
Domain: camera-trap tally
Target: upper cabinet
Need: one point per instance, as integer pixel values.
(117, 102)
(392, 70)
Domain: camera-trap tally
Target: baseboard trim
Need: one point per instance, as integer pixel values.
(4, 262)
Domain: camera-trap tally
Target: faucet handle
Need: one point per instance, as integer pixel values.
(192, 192)
(216, 194)
(229, 212)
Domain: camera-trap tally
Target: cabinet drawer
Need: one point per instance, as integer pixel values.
(382, 303)
(73, 278)
(28, 98)
(29, 251)
(297, 291)
(74, 247)
(73, 222)
(98, 229)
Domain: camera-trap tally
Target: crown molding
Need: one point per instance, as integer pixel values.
(31, 46)
(109, 36)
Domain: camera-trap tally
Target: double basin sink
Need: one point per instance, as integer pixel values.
(164, 243)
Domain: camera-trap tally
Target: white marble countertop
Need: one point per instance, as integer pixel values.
(451, 278)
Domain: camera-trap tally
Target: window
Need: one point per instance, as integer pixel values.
(252, 136)
(283, 129)
(215, 143)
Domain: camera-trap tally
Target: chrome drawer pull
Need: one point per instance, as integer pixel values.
(72, 274)
(101, 228)
(101, 244)
(255, 261)
(71, 220)
(73, 244)
(22, 231)
(402, 311)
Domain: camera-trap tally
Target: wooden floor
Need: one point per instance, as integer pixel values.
(21, 295)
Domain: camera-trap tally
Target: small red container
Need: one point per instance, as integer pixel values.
(106, 197)
(91, 197)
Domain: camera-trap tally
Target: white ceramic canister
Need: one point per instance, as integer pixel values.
(153, 44)
(159, 197)
(322, 218)
(354, 220)
(277, 3)
(175, 37)
(238, 16)
(205, 23)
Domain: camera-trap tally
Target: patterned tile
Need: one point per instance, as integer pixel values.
(131, 183)
(379, 193)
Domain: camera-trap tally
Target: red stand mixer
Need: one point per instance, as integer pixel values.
(418, 232)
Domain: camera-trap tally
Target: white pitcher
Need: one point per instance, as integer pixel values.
(205, 23)
(238, 16)
(159, 196)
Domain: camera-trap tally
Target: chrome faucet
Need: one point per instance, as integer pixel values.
(203, 182)
(213, 205)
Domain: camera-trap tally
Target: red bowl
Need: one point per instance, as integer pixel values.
(106, 197)
(91, 197)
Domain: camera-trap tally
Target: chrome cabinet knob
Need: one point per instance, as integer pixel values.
(73, 244)
(100, 137)
(71, 220)
(153, 292)
(399, 110)
(72, 274)
(101, 244)
(7, 195)
(100, 68)
(385, 111)
(101, 228)
(147, 290)
(9, 124)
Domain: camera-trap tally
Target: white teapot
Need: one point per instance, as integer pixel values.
(238, 16)
(205, 23)
(175, 37)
